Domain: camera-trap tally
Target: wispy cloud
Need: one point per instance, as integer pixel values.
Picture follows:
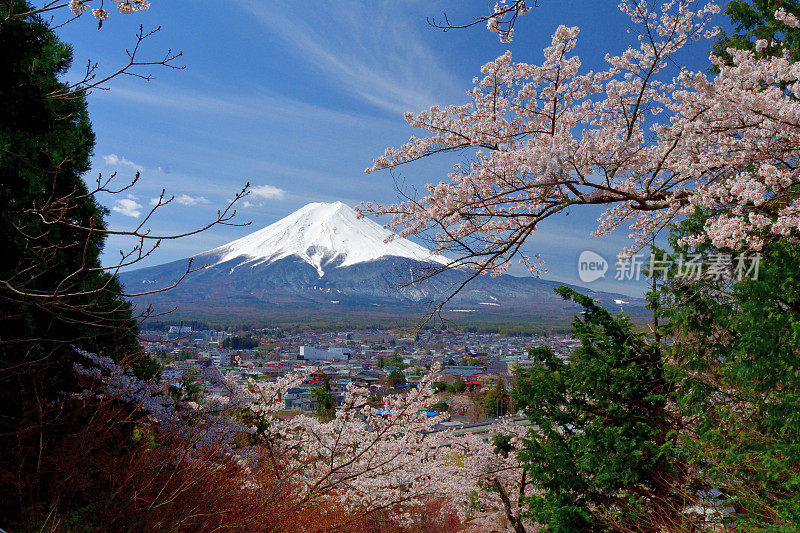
(128, 207)
(370, 50)
(268, 192)
(116, 161)
(259, 105)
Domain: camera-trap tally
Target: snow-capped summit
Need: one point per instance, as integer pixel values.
(323, 261)
(323, 235)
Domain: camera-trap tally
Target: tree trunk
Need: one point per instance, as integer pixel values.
(516, 523)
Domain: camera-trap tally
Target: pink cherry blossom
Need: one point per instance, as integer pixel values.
(363, 457)
(650, 140)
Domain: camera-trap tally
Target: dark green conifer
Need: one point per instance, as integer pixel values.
(600, 449)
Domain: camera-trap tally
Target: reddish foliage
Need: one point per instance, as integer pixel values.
(97, 466)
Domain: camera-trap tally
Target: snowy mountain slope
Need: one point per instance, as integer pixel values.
(323, 260)
(322, 235)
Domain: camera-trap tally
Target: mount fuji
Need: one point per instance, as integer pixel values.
(322, 262)
(324, 236)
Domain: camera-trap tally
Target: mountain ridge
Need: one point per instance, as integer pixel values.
(324, 260)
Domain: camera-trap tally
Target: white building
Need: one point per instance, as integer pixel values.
(309, 353)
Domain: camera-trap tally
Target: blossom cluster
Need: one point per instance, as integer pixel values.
(648, 139)
(504, 14)
(79, 7)
(366, 456)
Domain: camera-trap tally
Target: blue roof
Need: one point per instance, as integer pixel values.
(429, 414)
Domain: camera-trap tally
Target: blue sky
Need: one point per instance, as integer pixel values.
(297, 98)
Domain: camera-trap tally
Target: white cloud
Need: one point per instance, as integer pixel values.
(128, 207)
(115, 160)
(185, 199)
(267, 192)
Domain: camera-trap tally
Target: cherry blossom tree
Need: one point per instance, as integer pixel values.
(387, 459)
(391, 457)
(79, 7)
(650, 140)
(461, 404)
(500, 20)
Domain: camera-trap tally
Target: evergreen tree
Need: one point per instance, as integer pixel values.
(458, 386)
(755, 19)
(240, 343)
(395, 378)
(736, 358)
(737, 345)
(498, 400)
(326, 402)
(54, 295)
(600, 452)
(191, 390)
